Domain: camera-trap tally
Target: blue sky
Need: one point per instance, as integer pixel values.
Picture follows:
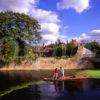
(61, 19)
(75, 23)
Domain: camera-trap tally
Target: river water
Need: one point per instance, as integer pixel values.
(29, 85)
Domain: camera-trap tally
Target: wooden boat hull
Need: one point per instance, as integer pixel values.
(66, 78)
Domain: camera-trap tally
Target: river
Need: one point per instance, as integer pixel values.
(29, 85)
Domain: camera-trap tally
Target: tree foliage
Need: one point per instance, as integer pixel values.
(95, 47)
(72, 47)
(8, 50)
(68, 49)
(17, 30)
(19, 26)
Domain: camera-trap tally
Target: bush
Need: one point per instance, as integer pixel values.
(69, 49)
(30, 56)
(8, 50)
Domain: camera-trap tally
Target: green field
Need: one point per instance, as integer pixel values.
(89, 73)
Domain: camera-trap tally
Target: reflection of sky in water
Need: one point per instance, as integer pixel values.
(44, 90)
(59, 91)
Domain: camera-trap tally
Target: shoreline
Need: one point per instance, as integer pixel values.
(49, 64)
(26, 69)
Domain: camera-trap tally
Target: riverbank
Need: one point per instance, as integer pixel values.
(95, 73)
(48, 63)
(41, 73)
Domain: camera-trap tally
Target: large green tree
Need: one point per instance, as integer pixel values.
(19, 26)
(17, 30)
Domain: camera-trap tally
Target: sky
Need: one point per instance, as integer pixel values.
(61, 19)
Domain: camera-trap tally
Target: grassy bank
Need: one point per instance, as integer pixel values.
(90, 73)
(18, 87)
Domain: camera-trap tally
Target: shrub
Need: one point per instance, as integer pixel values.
(8, 50)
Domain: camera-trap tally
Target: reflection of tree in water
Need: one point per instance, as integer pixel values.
(76, 86)
(36, 92)
(59, 86)
(71, 87)
(95, 83)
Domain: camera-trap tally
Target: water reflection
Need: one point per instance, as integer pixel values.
(72, 87)
(19, 85)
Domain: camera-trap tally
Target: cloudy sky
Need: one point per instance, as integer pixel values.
(61, 19)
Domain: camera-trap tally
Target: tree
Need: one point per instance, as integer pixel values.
(60, 49)
(8, 50)
(19, 28)
(71, 48)
(94, 46)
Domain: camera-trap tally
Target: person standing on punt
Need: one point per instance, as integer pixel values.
(61, 72)
(55, 76)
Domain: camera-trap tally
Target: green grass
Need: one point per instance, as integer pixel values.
(89, 73)
(18, 87)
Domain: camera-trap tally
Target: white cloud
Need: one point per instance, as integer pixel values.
(63, 38)
(50, 37)
(44, 15)
(50, 28)
(78, 5)
(95, 35)
(22, 6)
(50, 24)
(95, 31)
(89, 36)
